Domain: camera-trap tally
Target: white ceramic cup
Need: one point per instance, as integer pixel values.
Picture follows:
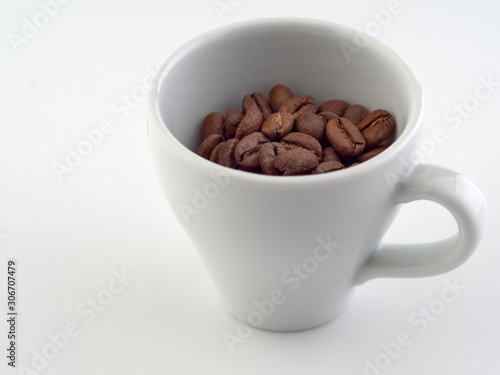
(285, 252)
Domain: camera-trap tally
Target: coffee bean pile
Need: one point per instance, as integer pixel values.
(289, 135)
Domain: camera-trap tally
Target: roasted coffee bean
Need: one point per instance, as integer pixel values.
(355, 113)
(329, 154)
(370, 154)
(296, 162)
(250, 123)
(247, 103)
(336, 106)
(312, 124)
(277, 125)
(231, 121)
(328, 166)
(377, 127)
(299, 105)
(327, 116)
(303, 141)
(267, 154)
(263, 105)
(345, 137)
(278, 95)
(213, 123)
(226, 153)
(246, 152)
(214, 155)
(209, 144)
(252, 119)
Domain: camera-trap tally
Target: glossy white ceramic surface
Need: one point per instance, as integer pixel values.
(285, 252)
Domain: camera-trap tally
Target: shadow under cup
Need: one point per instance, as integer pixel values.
(215, 71)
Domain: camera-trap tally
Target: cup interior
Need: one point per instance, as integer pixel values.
(326, 61)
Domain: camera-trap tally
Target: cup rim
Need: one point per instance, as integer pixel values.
(193, 159)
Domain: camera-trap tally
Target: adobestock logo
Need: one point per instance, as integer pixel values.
(201, 198)
(89, 309)
(31, 26)
(221, 7)
(381, 19)
(456, 115)
(293, 278)
(93, 137)
(471, 103)
(419, 321)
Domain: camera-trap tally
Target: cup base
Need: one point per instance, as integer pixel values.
(272, 323)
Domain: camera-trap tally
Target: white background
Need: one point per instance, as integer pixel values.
(108, 215)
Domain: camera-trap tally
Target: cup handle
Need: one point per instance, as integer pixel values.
(464, 201)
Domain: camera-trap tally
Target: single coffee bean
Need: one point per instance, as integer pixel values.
(303, 141)
(247, 103)
(252, 119)
(377, 127)
(327, 116)
(336, 106)
(329, 154)
(312, 124)
(355, 113)
(226, 153)
(278, 95)
(328, 166)
(370, 154)
(345, 137)
(209, 144)
(267, 154)
(246, 152)
(277, 125)
(263, 104)
(213, 123)
(299, 105)
(214, 155)
(296, 162)
(231, 122)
